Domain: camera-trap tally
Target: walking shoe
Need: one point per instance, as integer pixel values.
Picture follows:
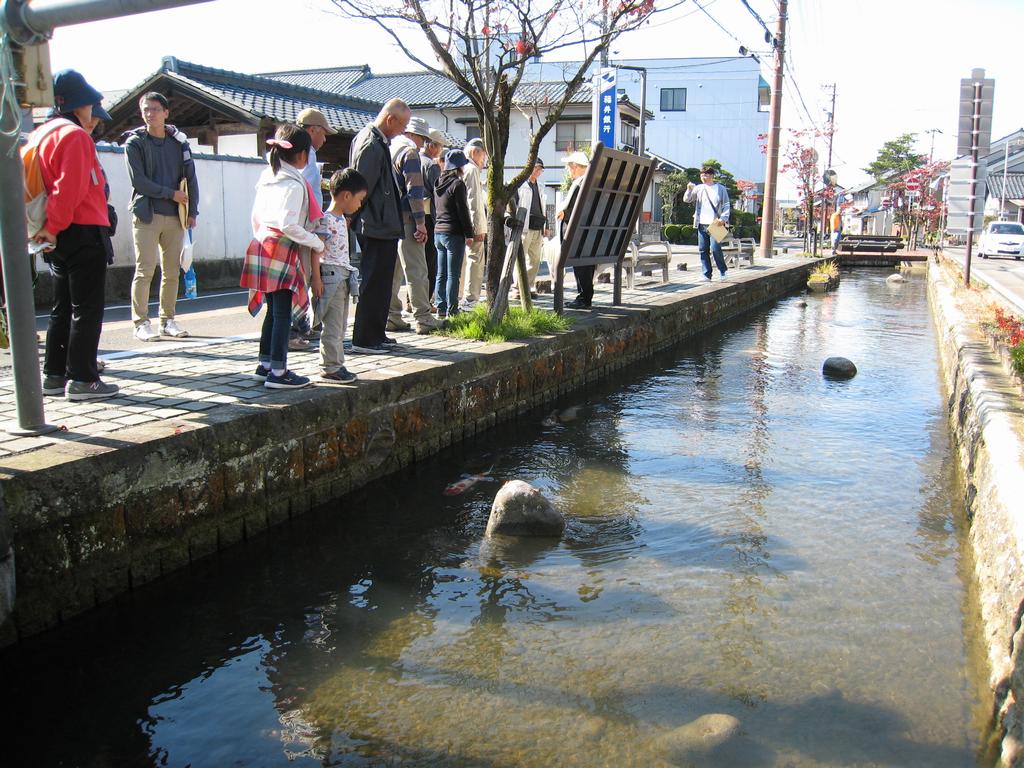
(723, 277)
(578, 304)
(170, 328)
(287, 380)
(425, 328)
(261, 373)
(466, 305)
(372, 349)
(340, 376)
(389, 342)
(298, 344)
(54, 385)
(89, 390)
(707, 278)
(398, 325)
(144, 331)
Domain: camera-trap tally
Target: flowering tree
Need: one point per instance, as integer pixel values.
(801, 164)
(918, 204)
(483, 47)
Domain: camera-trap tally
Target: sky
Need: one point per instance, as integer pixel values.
(896, 64)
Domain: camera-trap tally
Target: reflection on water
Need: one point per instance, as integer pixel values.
(744, 537)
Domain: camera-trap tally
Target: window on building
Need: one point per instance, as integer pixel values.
(630, 135)
(473, 131)
(764, 96)
(571, 136)
(673, 99)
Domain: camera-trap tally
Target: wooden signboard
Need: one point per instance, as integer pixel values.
(605, 215)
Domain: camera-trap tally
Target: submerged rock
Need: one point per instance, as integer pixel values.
(519, 509)
(896, 277)
(696, 739)
(839, 368)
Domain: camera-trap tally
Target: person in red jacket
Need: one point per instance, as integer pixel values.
(77, 226)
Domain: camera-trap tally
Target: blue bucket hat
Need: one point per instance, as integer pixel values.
(71, 91)
(455, 158)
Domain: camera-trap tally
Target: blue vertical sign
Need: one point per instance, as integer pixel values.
(605, 114)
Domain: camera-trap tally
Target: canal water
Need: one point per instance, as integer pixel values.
(745, 537)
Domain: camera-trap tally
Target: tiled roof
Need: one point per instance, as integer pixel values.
(331, 79)
(273, 99)
(417, 89)
(1014, 185)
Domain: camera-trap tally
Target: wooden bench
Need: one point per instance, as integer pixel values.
(877, 244)
(645, 258)
(739, 248)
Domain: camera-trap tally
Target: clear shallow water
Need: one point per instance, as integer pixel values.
(744, 537)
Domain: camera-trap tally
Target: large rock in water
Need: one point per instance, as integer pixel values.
(519, 509)
(839, 368)
(693, 741)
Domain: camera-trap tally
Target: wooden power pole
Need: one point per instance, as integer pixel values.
(771, 174)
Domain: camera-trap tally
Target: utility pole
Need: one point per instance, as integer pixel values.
(931, 149)
(771, 173)
(828, 165)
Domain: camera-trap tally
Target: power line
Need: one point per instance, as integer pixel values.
(767, 32)
(717, 24)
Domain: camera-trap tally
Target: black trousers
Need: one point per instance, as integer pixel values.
(585, 283)
(431, 251)
(79, 268)
(377, 270)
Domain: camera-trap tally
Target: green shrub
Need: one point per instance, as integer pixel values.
(516, 324)
(687, 234)
(673, 233)
(1017, 356)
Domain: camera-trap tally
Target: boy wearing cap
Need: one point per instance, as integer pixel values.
(405, 155)
(77, 226)
(158, 158)
(711, 201)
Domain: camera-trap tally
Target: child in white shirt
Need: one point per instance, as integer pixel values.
(333, 273)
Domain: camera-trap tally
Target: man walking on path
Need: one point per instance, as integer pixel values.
(379, 225)
(405, 155)
(158, 159)
(712, 204)
(531, 197)
(473, 274)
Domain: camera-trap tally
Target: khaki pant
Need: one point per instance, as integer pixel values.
(413, 258)
(331, 310)
(533, 251)
(162, 237)
(473, 272)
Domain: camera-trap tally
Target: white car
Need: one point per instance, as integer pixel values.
(1002, 238)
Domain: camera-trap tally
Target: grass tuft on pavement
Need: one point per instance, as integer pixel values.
(517, 324)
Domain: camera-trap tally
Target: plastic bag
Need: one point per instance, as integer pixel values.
(186, 251)
(191, 289)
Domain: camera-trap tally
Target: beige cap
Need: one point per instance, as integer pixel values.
(577, 158)
(437, 137)
(310, 117)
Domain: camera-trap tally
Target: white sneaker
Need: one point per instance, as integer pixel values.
(171, 328)
(467, 305)
(144, 332)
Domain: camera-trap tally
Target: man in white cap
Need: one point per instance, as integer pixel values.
(577, 164)
(429, 156)
(405, 155)
(473, 274)
(313, 122)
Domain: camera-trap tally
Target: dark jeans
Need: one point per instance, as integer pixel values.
(377, 270)
(585, 283)
(431, 252)
(451, 249)
(79, 268)
(706, 242)
(277, 325)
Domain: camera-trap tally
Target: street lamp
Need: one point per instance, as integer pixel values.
(1006, 157)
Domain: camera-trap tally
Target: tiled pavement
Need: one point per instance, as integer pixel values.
(183, 383)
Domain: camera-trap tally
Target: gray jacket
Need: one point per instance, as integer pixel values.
(381, 214)
(138, 156)
(697, 196)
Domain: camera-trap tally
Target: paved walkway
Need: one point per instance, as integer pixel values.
(181, 384)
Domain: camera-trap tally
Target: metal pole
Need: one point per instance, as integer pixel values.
(35, 21)
(1006, 160)
(21, 321)
(975, 136)
(774, 125)
(825, 228)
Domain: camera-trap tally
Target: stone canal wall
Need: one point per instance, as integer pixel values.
(986, 415)
(89, 526)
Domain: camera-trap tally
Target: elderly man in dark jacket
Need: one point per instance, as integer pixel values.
(378, 226)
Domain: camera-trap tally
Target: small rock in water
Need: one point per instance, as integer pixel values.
(896, 277)
(569, 414)
(519, 509)
(550, 420)
(802, 303)
(696, 739)
(839, 368)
